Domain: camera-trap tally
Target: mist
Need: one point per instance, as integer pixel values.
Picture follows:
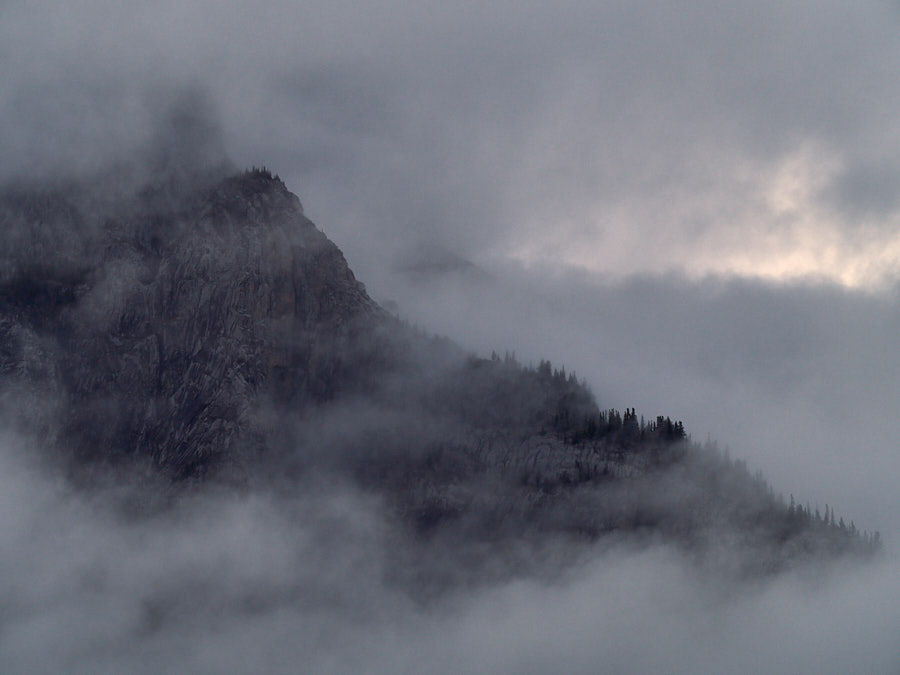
(693, 208)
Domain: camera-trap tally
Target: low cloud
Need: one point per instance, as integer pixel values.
(236, 582)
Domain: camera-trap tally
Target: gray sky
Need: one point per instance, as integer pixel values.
(694, 205)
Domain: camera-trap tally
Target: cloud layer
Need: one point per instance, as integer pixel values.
(757, 141)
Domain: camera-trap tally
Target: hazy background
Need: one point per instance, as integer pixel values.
(694, 207)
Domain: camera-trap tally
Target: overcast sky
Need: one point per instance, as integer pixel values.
(755, 139)
(694, 205)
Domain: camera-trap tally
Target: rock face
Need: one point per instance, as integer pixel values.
(154, 329)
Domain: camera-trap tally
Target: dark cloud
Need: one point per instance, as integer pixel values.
(867, 190)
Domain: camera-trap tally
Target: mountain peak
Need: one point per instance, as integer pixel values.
(254, 183)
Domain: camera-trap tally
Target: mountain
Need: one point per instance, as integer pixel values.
(205, 328)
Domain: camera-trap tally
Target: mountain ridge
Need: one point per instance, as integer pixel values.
(215, 329)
